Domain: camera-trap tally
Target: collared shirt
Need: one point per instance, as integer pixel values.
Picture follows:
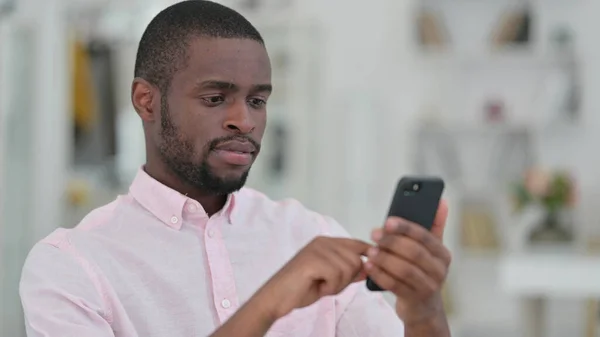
(153, 264)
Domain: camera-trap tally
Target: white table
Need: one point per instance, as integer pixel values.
(536, 277)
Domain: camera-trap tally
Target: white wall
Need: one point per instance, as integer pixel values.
(376, 86)
(37, 147)
(373, 86)
(361, 128)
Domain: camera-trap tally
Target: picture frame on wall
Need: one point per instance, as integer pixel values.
(514, 28)
(431, 30)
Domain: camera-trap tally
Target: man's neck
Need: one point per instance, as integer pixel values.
(211, 203)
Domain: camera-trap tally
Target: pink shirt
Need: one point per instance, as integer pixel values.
(153, 264)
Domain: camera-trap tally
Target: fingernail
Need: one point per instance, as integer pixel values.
(368, 265)
(376, 235)
(372, 252)
(391, 225)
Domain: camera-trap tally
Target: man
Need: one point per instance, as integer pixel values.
(189, 252)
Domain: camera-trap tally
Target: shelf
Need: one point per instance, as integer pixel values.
(551, 274)
(513, 59)
(503, 2)
(500, 129)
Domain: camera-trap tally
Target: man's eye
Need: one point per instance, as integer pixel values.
(257, 102)
(213, 100)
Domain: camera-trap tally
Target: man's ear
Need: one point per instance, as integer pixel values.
(145, 98)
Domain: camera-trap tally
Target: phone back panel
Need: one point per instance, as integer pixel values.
(418, 206)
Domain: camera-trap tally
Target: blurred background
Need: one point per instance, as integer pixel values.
(495, 96)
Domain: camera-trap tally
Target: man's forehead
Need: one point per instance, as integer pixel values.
(231, 60)
(212, 45)
(221, 51)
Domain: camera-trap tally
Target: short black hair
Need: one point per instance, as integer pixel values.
(163, 47)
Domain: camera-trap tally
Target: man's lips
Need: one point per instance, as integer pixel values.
(237, 146)
(236, 153)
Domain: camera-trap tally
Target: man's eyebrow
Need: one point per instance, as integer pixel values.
(220, 85)
(224, 85)
(262, 88)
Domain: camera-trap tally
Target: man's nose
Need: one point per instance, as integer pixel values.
(239, 119)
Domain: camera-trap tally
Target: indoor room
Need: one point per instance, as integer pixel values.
(495, 97)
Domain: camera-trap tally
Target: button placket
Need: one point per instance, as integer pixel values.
(221, 271)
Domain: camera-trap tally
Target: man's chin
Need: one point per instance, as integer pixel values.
(227, 172)
(234, 180)
(228, 182)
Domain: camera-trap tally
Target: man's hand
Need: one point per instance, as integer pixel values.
(324, 267)
(412, 263)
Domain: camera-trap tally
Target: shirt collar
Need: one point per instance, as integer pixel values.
(167, 204)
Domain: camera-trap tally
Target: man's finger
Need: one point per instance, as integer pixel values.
(388, 282)
(357, 246)
(348, 260)
(335, 273)
(415, 253)
(399, 226)
(439, 224)
(402, 271)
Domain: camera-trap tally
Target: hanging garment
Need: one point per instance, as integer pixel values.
(103, 69)
(84, 100)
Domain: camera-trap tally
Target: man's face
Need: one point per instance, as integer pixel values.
(214, 116)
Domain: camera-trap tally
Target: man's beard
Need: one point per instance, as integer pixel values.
(178, 154)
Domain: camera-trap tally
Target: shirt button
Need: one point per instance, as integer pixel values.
(192, 208)
(174, 220)
(211, 233)
(226, 304)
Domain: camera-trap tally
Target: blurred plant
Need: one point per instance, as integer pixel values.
(552, 190)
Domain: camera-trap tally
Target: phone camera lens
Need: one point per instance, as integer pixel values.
(416, 187)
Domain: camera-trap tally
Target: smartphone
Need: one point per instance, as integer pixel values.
(416, 199)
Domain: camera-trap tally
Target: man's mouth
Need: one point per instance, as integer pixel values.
(236, 153)
(237, 147)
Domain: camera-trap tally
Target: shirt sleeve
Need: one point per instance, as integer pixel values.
(361, 312)
(60, 297)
